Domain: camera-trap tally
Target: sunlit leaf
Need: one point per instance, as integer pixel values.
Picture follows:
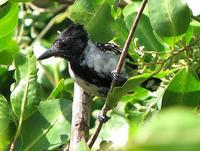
(48, 128)
(26, 87)
(169, 130)
(144, 33)
(184, 89)
(54, 94)
(133, 8)
(4, 41)
(8, 18)
(82, 146)
(169, 17)
(8, 54)
(118, 92)
(96, 16)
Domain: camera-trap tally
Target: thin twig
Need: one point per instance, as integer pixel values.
(105, 108)
(196, 18)
(99, 125)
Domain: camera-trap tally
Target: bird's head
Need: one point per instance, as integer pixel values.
(69, 44)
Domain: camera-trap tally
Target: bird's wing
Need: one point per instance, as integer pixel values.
(112, 48)
(109, 48)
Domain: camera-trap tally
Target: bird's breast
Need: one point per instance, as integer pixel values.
(87, 86)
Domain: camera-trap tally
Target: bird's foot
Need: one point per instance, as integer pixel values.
(103, 118)
(118, 78)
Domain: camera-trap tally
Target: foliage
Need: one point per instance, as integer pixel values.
(36, 97)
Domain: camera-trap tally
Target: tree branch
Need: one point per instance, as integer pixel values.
(80, 117)
(196, 18)
(105, 108)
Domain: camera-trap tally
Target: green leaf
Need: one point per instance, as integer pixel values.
(188, 35)
(128, 86)
(25, 90)
(82, 146)
(196, 26)
(115, 131)
(4, 41)
(133, 8)
(119, 27)
(48, 128)
(7, 55)
(59, 88)
(4, 114)
(175, 129)
(171, 41)
(144, 33)
(139, 94)
(184, 89)
(169, 17)
(92, 13)
(8, 18)
(64, 89)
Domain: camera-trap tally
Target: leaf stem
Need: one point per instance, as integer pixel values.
(12, 146)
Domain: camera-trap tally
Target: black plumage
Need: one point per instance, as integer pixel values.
(91, 63)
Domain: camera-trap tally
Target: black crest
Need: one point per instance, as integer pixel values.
(74, 32)
(73, 39)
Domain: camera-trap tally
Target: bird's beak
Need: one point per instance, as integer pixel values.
(49, 53)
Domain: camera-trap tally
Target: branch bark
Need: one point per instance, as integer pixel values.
(196, 18)
(105, 108)
(80, 117)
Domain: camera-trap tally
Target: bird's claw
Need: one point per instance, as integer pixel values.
(118, 78)
(103, 118)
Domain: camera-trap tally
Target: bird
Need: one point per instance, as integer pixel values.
(92, 64)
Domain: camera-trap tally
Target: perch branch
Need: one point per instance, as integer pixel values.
(80, 117)
(105, 108)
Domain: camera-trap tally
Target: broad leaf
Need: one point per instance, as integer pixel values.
(53, 127)
(119, 27)
(133, 8)
(184, 89)
(8, 18)
(7, 55)
(96, 16)
(170, 130)
(128, 86)
(169, 17)
(144, 33)
(54, 94)
(188, 35)
(4, 41)
(26, 88)
(82, 146)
